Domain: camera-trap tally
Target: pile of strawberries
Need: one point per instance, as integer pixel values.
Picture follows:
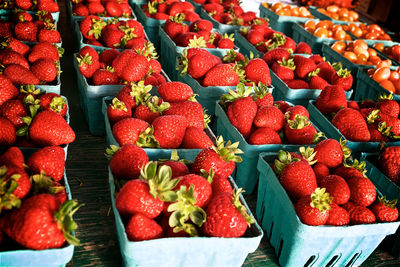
(34, 210)
(365, 121)
(163, 10)
(261, 122)
(210, 70)
(300, 72)
(34, 65)
(173, 199)
(389, 163)
(173, 120)
(127, 34)
(230, 12)
(31, 117)
(31, 5)
(327, 190)
(103, 8)
(30, 28)
(265, 39)
(198, 34)
(114, 67)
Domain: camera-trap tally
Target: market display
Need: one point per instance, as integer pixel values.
(202, 104)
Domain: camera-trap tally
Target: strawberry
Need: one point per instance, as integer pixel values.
(14, 110)
(41, 223)
(80, 10)
(276, 54)
(300, 131)
(169, 130)
(202, 188)
(175, 26)
(221, 75)
(357, 169)
(242, 110)
(127, 161)
(91, 27)
(22, 181)
(258, 71)
(50, 160)
(317, 82)
(131, 72)
(387, 105)
(269, 116)
(338, 216)
(126, 95)
(192, 111)
(326, 70)
(297, 84)
(264, 135)
(26, 31)
(7, 89)
(331, 99)
(221, 158)
(284, 69)
(178, 167)
(9, 185)
(113, 9)
(331, 153)
(87, 66)
(196, 138)
(262, 96)
(314, 209)
(220, 186)
(255, 36)
(343, 78)
(146, 195)
(112, 37)
(295, 175)
(379, 133)
(50, 129)
(128, 131)
(352, 125)
(17, 46)
(198, 65)
(200, 25)
(221, 211)
(155, 66)
(118, 111)
(385, 210)
(361, 215)
(175, 92)
(289, 44)
(337, 187)
(49, 6)
(392, 122)
(303, 48)
(303, 66)
(105, 76)
(49, 34)
(20, 75)
(297, 110)
(44, 50)
(45, 70)
(353, 104)
(107, 56)
(54, 102)
(226, 41)
(7, 132)
(12, 157)
(389, 163)
(141, 227)
(12, 57)
(24, 4)
(362, 190)
(320, 170)
(317, 59)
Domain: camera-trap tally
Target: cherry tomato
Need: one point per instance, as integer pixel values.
(372, 52)
(376, 61)
(339, 46)
(388, 85)
(357, 32)
(321, 32)
(350, 56)
(381, 74)
(361, 43)
(394, 75)
(339, 35)
(332, 8)
(353, 15)
(361, 59)
(396, 84)
(310, 24)
(379, 46)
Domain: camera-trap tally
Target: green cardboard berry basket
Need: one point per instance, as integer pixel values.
(58, 257)
(185, 251)
(321, 16)
(297, 244)
(383, 55)
(246, 173)
(197, 6)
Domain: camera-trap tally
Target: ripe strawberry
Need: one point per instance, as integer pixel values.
(276, 54)
(91, 27)
(24, 4)
(150, 110)
(126, 95)
(54, 102)
(7, 132)
(388, 106)
(127, 161)
(175, 92)
(178, 167)
(140, 227)
(127, 131)
(226, 42)
(175, 26)
(50, 129)
(200, 25)
(338, 216)
(284, 69)
(331, 153)
(118, 111)
(221, 211)
(255, 36)
(49, 6)
(45, 70)
(107, 56)
(289, 44)
(292, 112)
(112, 37)
(131, 72)
(44, 50)
(378, 133)
(22, 181)
(352, 125)
(40, 223)
(300, 131)
(389, 163)
(155, 65)
(12, 157)
(317, 82)
(196, 138)
(221, 75)
(262, 96)
(326, 70)
(221, 158)
(16, 46)
(320, 170)
(331, 99)
(264, 135)
(337, 187)
(146, 195)
(26, 31)
(389, 121)
(80, 10)
(192, 111)
(7, 89)
(343, 78)
(169, 130)
(297, 84)
(303, 66)
(20, 75)
(385, 210)
(313, 209)
(257, 71)
(269, 116)
(49, 34)
(14, 110)
(50, 160)
(113, 9)
(317, 59)
(221, 186)
(12, 57)
(362, 190)
(361, 215)
(87, 65)
(105, 76)
(303, 48)
(202, 188)
(198, 65)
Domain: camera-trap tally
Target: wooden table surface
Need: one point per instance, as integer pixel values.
(88, 178)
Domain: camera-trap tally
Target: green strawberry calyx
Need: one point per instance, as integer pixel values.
(355, 164)
(313, 73)
(385, 97)
(321, 200)
(343, 73)
(289, 63)
(178, 18)
(230, 56)
(228, 36)
(183, 210)
(57, 104)
(183, 63)
(388, 203)
(276, 41)
(260, 91)
(212, 37)
(139, 91)
(97, 26)
(149, 51)
(228, 151)
(298, 123)
(41, 183)
(197, 42)
(152, 103)
(235, 20)
(373, 116)
(175, 157)
(284, 159)
(65, 222)
(207, 118)
(7, 187)
(146, 139)
(386, 131)
(336, 66)
(152, 7)
(240, 207)
(240, 92)
(159, 180)
(110, 152)
(60, 50)
(308, 154)
(244, 30)
(238, 68)
(209, 176)
(30, 89)
(86, 59)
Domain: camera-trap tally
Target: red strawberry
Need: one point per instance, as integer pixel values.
(289, 44)
(54, 102)
(192, 111)
(12, 157)
(385, 210)
(353, 104)
(303, 48)
(127, 161)
(20, 75)
(331, 153)
(257, 71)
(284, 69)
(317, 82)
(269, 116)
(7, 132)
(131, 72)
(202, 188)
(320, 170)
(389, 163)
(388, 106)
(178, 167)
(49, 6)
(220, 186)
(314, 209)
(22, 180)
(113, 9)
(196, 138)
(255, 36)
(91, 27)
(221, 211)
(276, 54)
(45, 70)
(297, 84)
(317, 59)
(378, 133)
(151, 110)
(220, 158)
(26, 31)
(221, 75)
(14, 110)
(7, 89)
(107, 56)
(297, 110)
(337, 187)
(105, 76)
(118, 111)
(264, 135)
(87, 65)
(303, 66)
(362, 190)
(50, 129)
(175, 26)
(361, 215)
(17, 46)
(12, 57)
(80, 10)
(34, 225)
(49, 34)
(127, 131)
(169, 130)
(175, 92)
(262, 96)
(326, 70)
(343, 78)
(140, 227)
(338, 216)
(126, 95)
(50, 160)
(44, 50)
(198, 65)
(352, 125)
(300, 131)
(331, 99)
(357, 169)
(112, 37)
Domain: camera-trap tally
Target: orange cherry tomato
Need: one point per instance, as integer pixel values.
(357, 32)
(339, 35)
(321, 32)
(361, 43)
(371, 36)
(388, 85)
(381, 74)
(361, 59)
(310, 24)
(382, 63)
(394, 75)
(311, 30)
(372, 52)
(327, 24)
(350, 27)
(350, 56)
(386, 36)
(396, 84)
(276, 6)
(353, 15)
(332, 8)
(337, 27)
(339, 46)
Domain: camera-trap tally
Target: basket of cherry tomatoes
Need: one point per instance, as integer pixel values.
(335, 13)
(391, 51)
(371, 34)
